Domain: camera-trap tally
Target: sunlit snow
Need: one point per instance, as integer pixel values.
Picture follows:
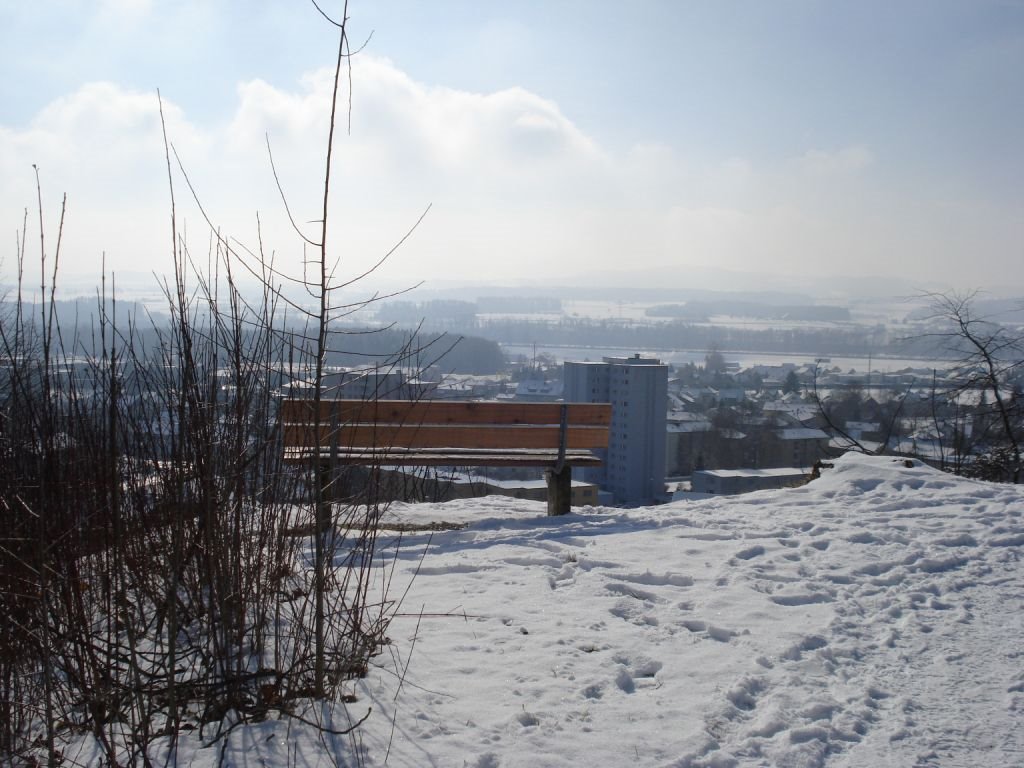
(873, 617)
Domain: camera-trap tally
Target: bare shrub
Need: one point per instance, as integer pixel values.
(161, 568)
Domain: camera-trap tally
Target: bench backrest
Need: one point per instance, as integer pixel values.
(413, 424)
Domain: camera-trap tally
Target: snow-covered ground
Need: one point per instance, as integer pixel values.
(874, 617)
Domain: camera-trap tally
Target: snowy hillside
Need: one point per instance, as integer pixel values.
(874, 617)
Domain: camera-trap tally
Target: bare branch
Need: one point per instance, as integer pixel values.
(284, 198)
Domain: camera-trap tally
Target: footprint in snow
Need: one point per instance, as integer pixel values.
(656, 580)
(809, 643)
(565, 575)
(592, 691)
(863, 537)
(527, 719)
(960, 540)
(875, 569)
(750, 552)
(743, 695)
(805, 599)
(866, 485)
(631, 670)
(629, 590)
(624, 681)
(709, 536)
(720, 634)
(628, 611)
(456, 568)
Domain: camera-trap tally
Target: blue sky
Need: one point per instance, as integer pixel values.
(550, 137)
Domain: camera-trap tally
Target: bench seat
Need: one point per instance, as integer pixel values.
(444, 457)
(432, 433)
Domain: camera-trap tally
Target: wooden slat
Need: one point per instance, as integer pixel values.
(420, 458)
(445, 412)
(450, 436)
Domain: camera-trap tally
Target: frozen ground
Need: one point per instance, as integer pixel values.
(871, 618)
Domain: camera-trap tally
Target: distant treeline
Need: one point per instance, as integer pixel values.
(701, 311)
(452, 352)
(441, 311)
(849, 340)
(456, 352)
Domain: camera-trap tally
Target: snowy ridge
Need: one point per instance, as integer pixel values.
(873, 617)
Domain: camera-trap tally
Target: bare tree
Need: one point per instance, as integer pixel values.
(835, 412)
(988, 364)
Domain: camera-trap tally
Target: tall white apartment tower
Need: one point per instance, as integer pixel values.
(637, 388)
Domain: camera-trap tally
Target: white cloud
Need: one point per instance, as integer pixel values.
(101, 145)
(519, 190)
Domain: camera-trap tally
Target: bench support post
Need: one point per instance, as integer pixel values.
(559, 490)
(559, 477)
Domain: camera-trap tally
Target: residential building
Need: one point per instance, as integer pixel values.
(637, 388)
(686, 440)
(355, 384)
(793, 447)
(539, 390)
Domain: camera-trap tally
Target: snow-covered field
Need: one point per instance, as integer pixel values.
(874, 617)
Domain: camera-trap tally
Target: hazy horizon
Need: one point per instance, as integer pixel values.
(796, 144)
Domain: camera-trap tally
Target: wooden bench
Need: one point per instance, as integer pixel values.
(557, 436)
